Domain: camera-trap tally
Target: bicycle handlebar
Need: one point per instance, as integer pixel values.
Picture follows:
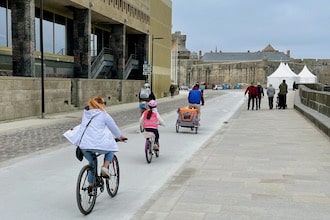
(118, 140)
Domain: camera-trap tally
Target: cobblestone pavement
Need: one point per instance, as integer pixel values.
(14, 144)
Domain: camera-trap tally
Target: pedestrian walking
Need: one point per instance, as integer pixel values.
(282, 94)
(252, 92)
(270, 94)
(260, 94)
(172, 90)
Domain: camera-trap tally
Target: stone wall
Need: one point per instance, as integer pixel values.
(317, 100)
(114, 91)
(315, 106)
(245, 72)
(20, 97)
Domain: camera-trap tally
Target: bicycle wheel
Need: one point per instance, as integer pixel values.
(112, 183)
(85, 192)
(148, 151)
(157, 152)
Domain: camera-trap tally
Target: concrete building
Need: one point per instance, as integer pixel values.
(87, 39)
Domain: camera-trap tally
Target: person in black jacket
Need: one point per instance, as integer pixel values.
(260, 93)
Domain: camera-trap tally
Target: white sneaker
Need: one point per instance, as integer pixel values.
(105, 172)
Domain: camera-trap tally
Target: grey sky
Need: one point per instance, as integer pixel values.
(301, 26)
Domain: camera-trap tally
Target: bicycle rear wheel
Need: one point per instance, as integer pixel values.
(85, 192)
(148, 151)
(112, 183)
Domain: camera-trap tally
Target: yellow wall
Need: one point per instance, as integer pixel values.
(161, 27)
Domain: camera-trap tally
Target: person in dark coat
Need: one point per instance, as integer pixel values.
(282, 94)
(260, 95)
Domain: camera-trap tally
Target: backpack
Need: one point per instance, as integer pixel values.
(144, 93)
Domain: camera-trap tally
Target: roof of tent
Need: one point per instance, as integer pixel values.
(290, 70)
(282, 72)
(306, 73)
(305, 76)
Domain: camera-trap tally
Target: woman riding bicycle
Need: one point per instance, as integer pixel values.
(97, 133)
(150, 120)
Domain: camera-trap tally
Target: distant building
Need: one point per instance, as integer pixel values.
(267, 54)
(241, 67)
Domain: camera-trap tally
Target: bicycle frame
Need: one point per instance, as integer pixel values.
(149, 145)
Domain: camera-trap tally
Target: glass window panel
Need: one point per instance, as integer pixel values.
(69, 37)
(3, 3)
(48, 36)
(93, 45)
(10, 42)
(3, 26)
(106, 39)
(37, 34)
(98, 32)
(59, 19)
(60, 39)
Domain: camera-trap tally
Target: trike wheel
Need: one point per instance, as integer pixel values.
(112, 183)
(177, 128)
(86, 192)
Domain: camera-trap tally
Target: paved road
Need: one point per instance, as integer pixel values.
(32, 135)
(42, 186)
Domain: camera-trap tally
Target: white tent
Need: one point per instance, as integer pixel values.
(305, 76)
(283, 72)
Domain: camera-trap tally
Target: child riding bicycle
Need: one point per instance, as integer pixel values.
(150, 119)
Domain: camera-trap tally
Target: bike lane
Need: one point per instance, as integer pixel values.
(43, 185)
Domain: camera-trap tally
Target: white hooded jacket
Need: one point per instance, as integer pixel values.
(99, 134)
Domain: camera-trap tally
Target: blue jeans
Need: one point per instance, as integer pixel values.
(108, 155)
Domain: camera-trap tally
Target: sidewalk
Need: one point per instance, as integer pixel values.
(20, 138)
(265, 164)
(25, 123)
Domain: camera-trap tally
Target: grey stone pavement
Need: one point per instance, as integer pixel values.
(265, 164)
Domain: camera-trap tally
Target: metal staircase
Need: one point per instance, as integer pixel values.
(131, 64)
(102, 64)
(104, 61)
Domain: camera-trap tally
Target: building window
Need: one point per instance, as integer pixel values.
(54, 33)
(5, 27)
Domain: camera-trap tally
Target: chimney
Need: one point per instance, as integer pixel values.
(288, 53)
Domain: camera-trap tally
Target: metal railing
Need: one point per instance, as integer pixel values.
(132, 63)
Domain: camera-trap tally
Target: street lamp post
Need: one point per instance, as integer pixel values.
(177, 63)
(42, 59)
(152, 57)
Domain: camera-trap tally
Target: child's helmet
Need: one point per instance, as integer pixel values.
(152, 103)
